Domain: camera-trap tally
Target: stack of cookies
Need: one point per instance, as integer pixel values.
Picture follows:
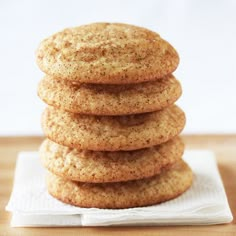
(111, 125)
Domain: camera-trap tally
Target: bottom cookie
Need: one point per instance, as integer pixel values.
(168, 185)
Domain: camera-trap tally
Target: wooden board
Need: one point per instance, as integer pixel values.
(223, 146)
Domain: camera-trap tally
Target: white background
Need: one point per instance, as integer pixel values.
(203, 32)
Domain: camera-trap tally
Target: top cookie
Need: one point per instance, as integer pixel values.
(107, 53)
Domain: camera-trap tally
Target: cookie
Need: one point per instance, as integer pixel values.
(112, 133)
(99, 167)
(107, 53)
(168, 185)
(99, 99)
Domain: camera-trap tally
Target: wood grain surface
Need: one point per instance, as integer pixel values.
(223, 146)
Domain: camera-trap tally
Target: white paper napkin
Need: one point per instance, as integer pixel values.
(204, 203)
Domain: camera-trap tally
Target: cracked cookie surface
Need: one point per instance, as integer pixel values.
(107, 53)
